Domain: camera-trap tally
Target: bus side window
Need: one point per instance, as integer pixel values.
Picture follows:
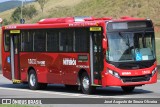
(27, 41)
(52, 41)
(7, 42)
(81, 40)
(40, 41)
(69, 47)
(66, 40)
(61, 42)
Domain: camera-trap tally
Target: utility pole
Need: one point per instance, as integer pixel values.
(22, 10)
(22, 21)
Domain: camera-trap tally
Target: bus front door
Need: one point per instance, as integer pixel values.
(96, 57)
(14, 54)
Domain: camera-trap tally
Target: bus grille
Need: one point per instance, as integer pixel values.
(135, 78)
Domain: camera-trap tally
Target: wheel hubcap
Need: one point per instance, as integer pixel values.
(32, 80)
(85, 83)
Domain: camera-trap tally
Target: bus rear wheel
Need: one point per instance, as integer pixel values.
(128, 89)
(86, 84)
(33, 81)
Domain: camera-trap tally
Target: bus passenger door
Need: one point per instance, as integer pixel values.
(96, 57)
(14, 54)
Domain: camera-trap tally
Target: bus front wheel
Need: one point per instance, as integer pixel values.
(128, 89)
(86, 84)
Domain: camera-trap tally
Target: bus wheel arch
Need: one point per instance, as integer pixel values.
(28, 71)
(32, 79)
(30, 68)
(81, 71)
(84, 77)
(33, 74)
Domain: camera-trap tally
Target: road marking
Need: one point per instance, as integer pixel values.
(61, 93)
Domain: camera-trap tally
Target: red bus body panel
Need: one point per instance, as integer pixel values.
(50, 68)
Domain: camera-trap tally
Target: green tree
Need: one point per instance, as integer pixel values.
(27, 12)
(42, 3)
(16, 14)
(6, 22)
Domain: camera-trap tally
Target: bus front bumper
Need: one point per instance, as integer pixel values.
(111, 80)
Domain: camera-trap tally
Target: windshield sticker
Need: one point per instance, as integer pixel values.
(145, 57)
(138, 56)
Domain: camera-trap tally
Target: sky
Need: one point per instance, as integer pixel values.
(11, 0)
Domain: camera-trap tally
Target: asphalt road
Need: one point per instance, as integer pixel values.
(9, 90)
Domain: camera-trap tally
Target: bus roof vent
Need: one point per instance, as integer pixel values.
(81, 18)
(56, 20)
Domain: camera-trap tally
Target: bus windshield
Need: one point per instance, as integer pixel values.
(130, 46)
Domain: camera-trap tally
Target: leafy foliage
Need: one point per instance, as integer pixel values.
(16, 15)
(42, 3)
(27, 12)
(6, 22)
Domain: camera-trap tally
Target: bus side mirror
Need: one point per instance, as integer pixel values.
(104, 44)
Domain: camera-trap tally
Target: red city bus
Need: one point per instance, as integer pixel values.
(81, 51)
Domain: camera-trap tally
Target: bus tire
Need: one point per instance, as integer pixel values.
(128, 89)
(86, 84)
(33, 80)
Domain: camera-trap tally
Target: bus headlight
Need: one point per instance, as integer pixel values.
(110, 71)
(115, 74)
(154, 71)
